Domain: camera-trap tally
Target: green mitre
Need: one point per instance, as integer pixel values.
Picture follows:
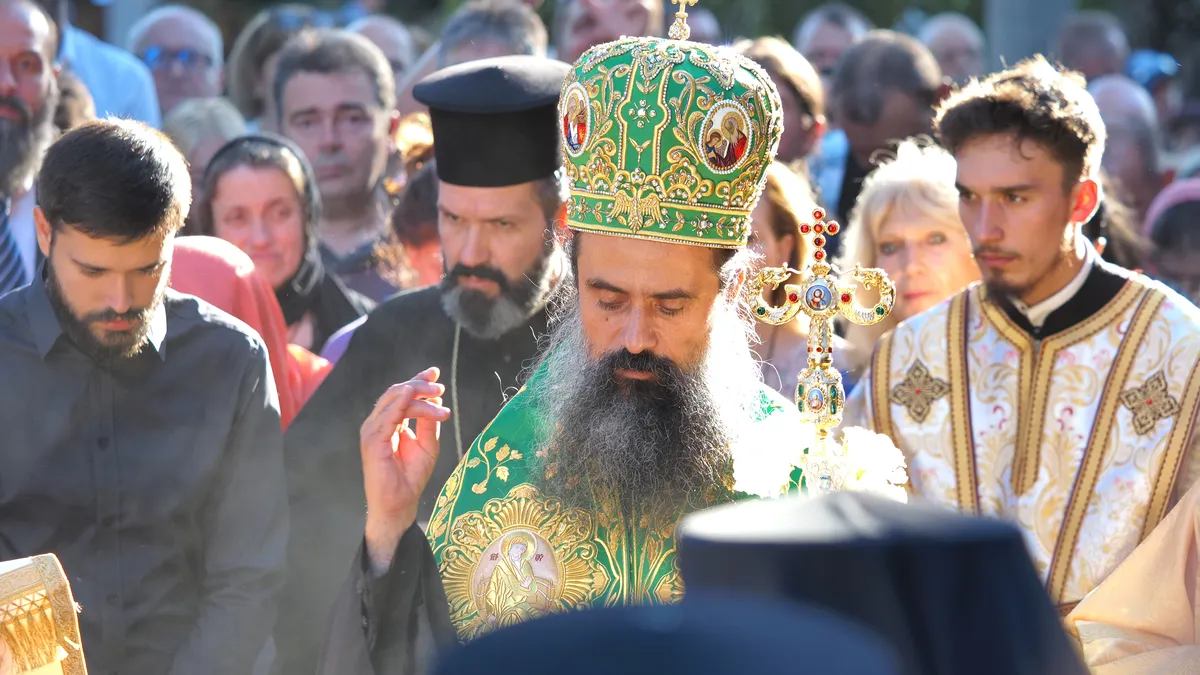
(667, 140)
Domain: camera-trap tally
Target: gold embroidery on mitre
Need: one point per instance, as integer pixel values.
(518, 558)
(918, 391)
(1150, 403)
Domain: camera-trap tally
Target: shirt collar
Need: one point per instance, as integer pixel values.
(43, 322)
(1038, 313)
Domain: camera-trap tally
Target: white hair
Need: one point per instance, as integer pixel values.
(137, 32)
(935, 25)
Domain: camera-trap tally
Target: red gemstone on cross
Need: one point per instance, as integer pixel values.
(818, 214)
(818, 240)
(1149, 401)
(792, 297)
(845, 297)
(818, 350)
(819, 254)
(818, 228)
(832, 228)
(804, 228)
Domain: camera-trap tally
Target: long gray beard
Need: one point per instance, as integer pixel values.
(23, 145)
(657, 445)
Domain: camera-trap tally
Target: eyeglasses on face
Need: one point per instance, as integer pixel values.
(189, 60)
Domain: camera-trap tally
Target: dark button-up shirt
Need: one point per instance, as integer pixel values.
(157, 481)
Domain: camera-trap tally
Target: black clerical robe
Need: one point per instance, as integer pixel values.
(402, 337)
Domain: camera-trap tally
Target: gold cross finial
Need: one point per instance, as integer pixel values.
(680, 29)
(821, 296)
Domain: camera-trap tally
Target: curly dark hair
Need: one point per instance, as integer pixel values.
(1033, 101)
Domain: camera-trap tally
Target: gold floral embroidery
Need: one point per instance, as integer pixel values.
(1150, 403)
(503, 455)
(918, 391)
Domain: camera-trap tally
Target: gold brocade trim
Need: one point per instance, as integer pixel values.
(1040, 371)
(38, 620)
(1093, 455)
(966, 476)
(1178, 442)
(881, 404)
(657, 235)
(881, 372)
(1020, 340)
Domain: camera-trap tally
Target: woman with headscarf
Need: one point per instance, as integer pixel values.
(1172, 225)
(223, 276)
(260, 194)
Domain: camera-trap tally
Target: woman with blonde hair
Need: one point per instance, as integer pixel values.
(906, 222)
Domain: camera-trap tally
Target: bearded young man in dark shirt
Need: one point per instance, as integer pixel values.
(142, 441)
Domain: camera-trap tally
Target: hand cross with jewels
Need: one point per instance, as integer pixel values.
(680, 30)
(820, 396)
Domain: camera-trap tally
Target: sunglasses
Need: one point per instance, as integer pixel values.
(292, 20)
(189, 60)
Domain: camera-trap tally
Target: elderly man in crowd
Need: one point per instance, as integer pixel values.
(184, 51)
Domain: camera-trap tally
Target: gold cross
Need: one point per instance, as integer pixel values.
(821, 296)
(1150, 403)
(918, 391)
(680, 29)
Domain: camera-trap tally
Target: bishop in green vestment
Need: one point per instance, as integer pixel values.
(646, 401)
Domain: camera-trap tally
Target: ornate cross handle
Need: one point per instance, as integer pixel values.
(680, 30)
(821, 296)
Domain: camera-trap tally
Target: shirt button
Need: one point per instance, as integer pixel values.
(366, 623)
(102, 442)
(112, 598)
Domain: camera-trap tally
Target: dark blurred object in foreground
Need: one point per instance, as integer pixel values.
(702, 635)
(953, 594)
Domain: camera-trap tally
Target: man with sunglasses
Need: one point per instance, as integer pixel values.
(183, 49)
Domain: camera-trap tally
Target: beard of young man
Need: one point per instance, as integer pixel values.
(23, 142)
(111, 347)
(488, 318)
(658, 445)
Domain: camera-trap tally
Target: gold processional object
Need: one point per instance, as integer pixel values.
(823, 293)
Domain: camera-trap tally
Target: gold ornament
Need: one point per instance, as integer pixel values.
(822, 294)
(680, 30)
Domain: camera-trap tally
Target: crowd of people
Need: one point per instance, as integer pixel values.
(341, 345)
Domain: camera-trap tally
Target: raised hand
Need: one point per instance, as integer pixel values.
(398, 459)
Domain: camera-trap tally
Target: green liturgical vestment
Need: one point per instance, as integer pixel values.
(507, 554)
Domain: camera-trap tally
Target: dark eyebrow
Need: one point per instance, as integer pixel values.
(601, 285)
(674, 294)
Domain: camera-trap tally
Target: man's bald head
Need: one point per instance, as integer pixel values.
(1120, 99)
(42, 17)
(956, 43)
(393, 39)
(1133, 153)
(185, 52)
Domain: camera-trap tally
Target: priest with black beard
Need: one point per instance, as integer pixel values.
(646, 403)
(498, 165)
